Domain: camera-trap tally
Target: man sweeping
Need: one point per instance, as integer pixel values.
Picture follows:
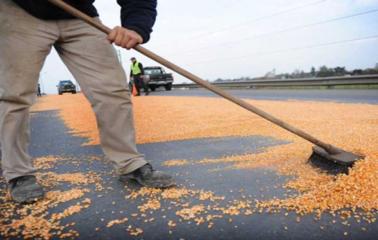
(28, 31)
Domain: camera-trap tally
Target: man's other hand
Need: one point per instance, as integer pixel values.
(124, 37)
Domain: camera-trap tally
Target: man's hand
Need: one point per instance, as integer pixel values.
(124, 37)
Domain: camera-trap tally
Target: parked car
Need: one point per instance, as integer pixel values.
(66, 86)
(157, 77)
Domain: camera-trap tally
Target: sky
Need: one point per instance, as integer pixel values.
(248, 38)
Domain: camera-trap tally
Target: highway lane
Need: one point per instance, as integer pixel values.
(369, 96)
(234, 184)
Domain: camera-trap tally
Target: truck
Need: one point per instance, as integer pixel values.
(66, 86)
(156, 76)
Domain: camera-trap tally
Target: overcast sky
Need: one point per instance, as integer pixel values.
(230, 39)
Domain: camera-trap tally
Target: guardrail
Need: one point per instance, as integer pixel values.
(300, 82)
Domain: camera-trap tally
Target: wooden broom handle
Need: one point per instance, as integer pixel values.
(328, 147)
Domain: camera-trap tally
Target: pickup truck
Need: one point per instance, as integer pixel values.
(66, 86)
(156, 77)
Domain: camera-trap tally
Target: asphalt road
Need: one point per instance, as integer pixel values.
(335, 95)
(51, 137)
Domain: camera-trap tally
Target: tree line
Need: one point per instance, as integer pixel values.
(322, 71)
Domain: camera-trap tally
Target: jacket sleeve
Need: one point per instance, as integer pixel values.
(141, 68)
(138, 15)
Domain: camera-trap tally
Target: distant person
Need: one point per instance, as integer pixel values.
(28, 31)
(136, 73)
(39, 94)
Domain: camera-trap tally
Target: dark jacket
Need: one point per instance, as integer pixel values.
(137, 15)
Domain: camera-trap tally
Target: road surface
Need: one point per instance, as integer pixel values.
(51, 137)
(336, 95)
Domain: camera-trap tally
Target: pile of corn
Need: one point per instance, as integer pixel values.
(209, 208)
(353, 127)
(35, 220)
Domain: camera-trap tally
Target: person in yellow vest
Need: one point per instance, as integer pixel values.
(136, 73)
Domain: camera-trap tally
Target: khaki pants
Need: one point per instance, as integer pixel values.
(25, 41)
